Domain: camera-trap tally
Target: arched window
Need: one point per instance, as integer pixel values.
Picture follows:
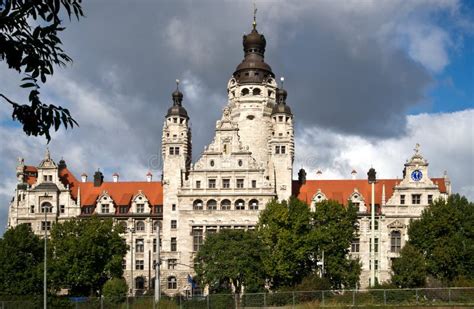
(155, 225)
(239, 204)
(46, 207)
(253, 205)
(225, 205)
(395, 241)
(245, 92)
(123, 224)
(140, 283)
(172, 284)
(211, 205)
(140, 226)
(256, 91)
(197, 205)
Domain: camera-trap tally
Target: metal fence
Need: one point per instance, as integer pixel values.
(299, 300)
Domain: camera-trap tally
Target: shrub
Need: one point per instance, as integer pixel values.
(115, 290)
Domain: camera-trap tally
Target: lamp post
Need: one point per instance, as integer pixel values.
(157, 263)
(131, 230)
(45, 209)
(372, 179)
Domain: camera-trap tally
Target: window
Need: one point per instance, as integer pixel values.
(139, 246)
(226, 183)
(197, 205)
(254, 184)
(154, 244)
(211, 230)
(45, 225)
(45, 178)
(402, 199)
(123, 209)
(211, 163)
(105, 208)
(173, 244)
(376, 227)
(280, 118)
(172, 263)
(158, 209)
(174, 150)
(140, 208)
(256, 91)
(171, 150)
(124, 264)
(87, 210)
(225, 205)
(245, 91)
(277, 149)
(156, 224)
(283, 149)
(253, 205)
(376, 263)
(173, 207)
(239, 205)
(32, 209)
(395, 241)
(174, 224)
(240, 162)
(416, 198)
(212, 205)
(172, 284)
(139, 264)
(430, 199)
(197, 238)
(240, 183)
(212, 184)
(376, 245)
(50, 177)
(140, 283)
(355, 245)
(140, 226)
(198, 184)
(46, 207)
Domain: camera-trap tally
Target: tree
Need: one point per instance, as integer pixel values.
(334, 228)
(409, 270)
(444, 234)
(284, 229)
(21, 260)
(231, 258)
(29, 44)
(115, 290)
(87, 252)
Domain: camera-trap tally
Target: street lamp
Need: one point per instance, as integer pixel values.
(131, 230)
(157, 263)
(372, 179)
(45, 207)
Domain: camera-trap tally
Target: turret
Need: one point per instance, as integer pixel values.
(281, 144)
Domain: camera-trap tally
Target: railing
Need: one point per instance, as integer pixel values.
(423, 297)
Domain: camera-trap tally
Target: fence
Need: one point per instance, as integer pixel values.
(298, 300)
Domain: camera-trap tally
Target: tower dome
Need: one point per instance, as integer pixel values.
(177, 109)
(280, 106)
(253, 69)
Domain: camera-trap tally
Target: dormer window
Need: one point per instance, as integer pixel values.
(105, 208)
(140, 208)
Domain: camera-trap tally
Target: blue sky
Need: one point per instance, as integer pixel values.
(366, 80)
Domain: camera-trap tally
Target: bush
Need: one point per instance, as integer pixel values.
(115, 290)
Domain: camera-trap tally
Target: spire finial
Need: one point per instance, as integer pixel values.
(282, 79)
(47, 155)
(177, 84)
(417, 148)
(254, 16)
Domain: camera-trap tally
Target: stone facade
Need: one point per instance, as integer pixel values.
(248, 163)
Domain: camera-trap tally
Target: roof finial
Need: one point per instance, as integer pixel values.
(47, 155)
(254, 16)
(417, 148)
(282, 79)
(177, 84)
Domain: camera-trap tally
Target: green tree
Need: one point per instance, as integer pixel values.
(334, 228)
(409, 270)
(285, 229)
(21, 260)
(87, 252)
(115, 290)
(231, 258)
(445, 236)
(29, 44)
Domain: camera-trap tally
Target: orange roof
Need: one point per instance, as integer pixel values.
(341, 190)
(122, 192)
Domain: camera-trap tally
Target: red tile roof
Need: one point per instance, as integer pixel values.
(341, 190)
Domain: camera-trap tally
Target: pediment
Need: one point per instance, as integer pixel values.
(396, 225)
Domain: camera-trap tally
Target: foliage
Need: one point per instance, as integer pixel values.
(115, 290)
(284, 229)
(231, 257)
(21, 260)
(445, 236)
(87, 252)
(334, 227)
(29, 44)
(409, 270)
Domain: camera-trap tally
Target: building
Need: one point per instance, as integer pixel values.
(248, 163)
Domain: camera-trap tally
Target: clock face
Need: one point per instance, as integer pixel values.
(416, 175)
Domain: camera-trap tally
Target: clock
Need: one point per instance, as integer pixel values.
(416, 175)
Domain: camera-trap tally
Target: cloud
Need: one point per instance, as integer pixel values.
(447, 142)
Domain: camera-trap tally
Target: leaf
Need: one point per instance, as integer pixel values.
(28, 85)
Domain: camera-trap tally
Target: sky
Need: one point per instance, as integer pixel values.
(366, 81)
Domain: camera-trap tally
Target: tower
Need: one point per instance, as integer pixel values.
(282, 145)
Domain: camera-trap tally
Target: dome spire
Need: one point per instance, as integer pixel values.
(254, 24)
(177, 109)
